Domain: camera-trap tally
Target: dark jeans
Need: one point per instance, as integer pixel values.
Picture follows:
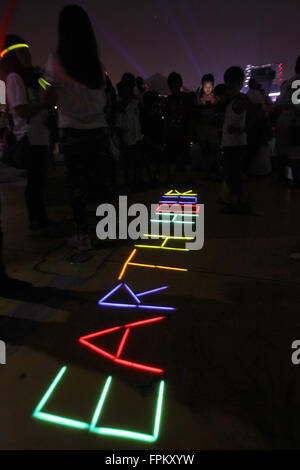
(86, 153)
(233, 160)
(155, 160)
(133, 163)
(178, 152)
(2, 268)
(37, 162)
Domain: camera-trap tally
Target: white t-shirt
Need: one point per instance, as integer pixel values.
(129, 123)
(79, 107)
(38, 133)
(235, 120)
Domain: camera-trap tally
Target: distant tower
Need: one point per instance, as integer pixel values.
(269, 76)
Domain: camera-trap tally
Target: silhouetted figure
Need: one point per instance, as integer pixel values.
(77, 73)
(141, 85)
(234, 139)
(129, 79)
(207, 130)
(128, 125)
(177, 111)
(153, 131)
(29, 112)
(259, 130)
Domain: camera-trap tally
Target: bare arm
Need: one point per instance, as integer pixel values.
(48, 98)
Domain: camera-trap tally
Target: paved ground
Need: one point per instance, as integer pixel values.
(226, 350)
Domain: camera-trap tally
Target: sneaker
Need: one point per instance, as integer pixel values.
(9, 285)
(80, 242)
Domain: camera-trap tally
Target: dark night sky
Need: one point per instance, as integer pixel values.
(189, 36)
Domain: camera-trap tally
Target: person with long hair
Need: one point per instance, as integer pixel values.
(207, 128)
(177, 111)
(28, 107)
(234, 140)
(79, 79)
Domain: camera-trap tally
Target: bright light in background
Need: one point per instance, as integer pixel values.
(201, 39)
(6, 20)
(180, 36)
(104, 31)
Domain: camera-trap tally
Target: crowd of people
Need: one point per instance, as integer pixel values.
(130, 133)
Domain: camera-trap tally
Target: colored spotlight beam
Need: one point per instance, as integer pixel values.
(181, 37)
(201, 40)
(115, 43)
(6, 20)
